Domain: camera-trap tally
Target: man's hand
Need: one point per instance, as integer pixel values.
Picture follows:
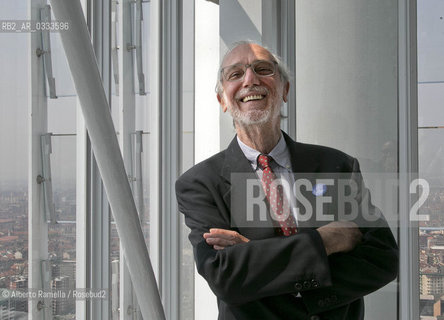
(222, 238)
(340, 236)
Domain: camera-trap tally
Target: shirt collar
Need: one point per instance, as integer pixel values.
(279, 153)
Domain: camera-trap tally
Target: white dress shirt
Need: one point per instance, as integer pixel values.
(281, 166)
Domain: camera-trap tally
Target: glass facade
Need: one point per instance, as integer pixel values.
(346, 96)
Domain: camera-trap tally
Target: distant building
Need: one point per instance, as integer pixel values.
(432, 284)
(10, 308)
(62, 306)
(17, 284)
(7, 310)
(426, 303)
(65, 268)
(20, 283)
(431, 307)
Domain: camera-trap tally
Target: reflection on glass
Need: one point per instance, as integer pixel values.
(62, 262)
(63, 170)
(62, 235)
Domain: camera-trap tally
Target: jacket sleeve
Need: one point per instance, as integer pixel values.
(371, 265)
(254, 270)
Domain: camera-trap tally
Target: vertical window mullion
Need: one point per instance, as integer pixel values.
(38, 125)
(186, 275)
(154, 157)
(126, 107)
(408, 160)
(287, 49)
(82, 200)
(81, 212)
(171, 155)
(99, 212)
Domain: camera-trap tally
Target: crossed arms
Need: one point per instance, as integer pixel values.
(337, 236)
(338, 262)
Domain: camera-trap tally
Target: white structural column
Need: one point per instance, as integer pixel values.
(37, 226)
(81, 206)
(206, 119)
(81, 212)
(155, 58)
(186, 285)
(346, 74)
(80, 55)
(347, 92)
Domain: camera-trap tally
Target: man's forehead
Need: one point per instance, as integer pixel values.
(247, 53)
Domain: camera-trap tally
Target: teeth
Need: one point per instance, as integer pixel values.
(249, 98)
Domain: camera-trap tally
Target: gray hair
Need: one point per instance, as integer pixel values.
(283, 69)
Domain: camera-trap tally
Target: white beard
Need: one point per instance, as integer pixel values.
(253, 117)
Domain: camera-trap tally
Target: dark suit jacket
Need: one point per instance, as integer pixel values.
(260, 279)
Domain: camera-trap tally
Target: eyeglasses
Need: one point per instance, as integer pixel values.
(236, 72)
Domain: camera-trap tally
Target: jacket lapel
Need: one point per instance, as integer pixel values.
(305, 164)
(301, 160)
(235, 171)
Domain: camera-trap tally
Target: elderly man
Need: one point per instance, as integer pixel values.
(293, 267)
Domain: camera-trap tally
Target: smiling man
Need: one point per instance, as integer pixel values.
(290, 267)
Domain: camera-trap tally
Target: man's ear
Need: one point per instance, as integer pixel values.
(285, 93)
(222, 103)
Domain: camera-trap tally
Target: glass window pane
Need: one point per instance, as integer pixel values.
(14, 93)
(62, 116)
(63, 165)
(431, 233)
(431, 155)
(62, 235)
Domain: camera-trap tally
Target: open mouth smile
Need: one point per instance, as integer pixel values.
(252, 97)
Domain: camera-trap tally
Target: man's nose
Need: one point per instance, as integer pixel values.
(250, 78)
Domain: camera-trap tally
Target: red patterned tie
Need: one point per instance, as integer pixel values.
(275, 195)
